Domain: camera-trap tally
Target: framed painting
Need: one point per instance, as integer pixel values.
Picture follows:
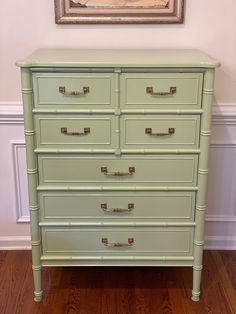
(119, 11)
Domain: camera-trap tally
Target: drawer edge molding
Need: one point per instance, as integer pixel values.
(117, 224)
(109, 258)
(116, 188)
(163, 111)
(122, 111)
(76, 111)
(117, 151)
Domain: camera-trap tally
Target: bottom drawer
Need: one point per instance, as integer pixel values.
(165, 241)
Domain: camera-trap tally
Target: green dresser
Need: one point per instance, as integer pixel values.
(117, 157)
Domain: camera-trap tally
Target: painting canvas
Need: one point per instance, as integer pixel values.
(120, 3)
(119, 11)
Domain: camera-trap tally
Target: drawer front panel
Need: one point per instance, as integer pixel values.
(95, 89)
(160, 131)
(87, 170)
(72, 206)
(146, 241)
(67, 131)
(187, 93)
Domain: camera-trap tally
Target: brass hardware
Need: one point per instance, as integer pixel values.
(149, 90)
(170, 132)
(64, 131)
(118, 173)
(62, 90)
(117, 210)
(118, 244)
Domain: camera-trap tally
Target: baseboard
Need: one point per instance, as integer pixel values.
(15, 243)
(220, 243)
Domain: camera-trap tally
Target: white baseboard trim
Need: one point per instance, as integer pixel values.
(220, 243)
(15, 243)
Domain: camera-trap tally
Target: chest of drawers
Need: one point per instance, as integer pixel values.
(117, 153)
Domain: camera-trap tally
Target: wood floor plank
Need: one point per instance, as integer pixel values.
(118, 290)
(13, 274)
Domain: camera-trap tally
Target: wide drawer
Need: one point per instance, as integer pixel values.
(68, 131)
(88, 170)
(164, 241)
(161, 90)
(160, 131)
(125, 206)
(75, 89)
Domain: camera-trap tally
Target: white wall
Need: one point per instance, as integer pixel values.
(26, 25)
(209, 25)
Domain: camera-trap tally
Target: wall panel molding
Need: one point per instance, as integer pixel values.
(11, 113)
(20, 180)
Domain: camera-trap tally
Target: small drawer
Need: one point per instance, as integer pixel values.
(80, 90)
(78, 132)
(164, 132)
(125, 206)
(87, 170)
(166, 241)
(161, 90)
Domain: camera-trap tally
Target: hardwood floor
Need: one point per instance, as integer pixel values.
(118, 290)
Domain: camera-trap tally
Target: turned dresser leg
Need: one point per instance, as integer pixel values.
(197, 272)
(37, 284)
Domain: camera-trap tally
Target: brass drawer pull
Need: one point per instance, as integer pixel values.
(149, 131)
(118, 244)
(64, 131)
(149, 90)
(63, 91)
(117, 210)
(118, 173)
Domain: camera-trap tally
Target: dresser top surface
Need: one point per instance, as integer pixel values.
(118, 58)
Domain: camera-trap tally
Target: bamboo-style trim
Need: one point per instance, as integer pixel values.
(76, 111)
(202, 180)
(121, 111)
(118, 224)
(163, 111)
(109, 69)
(117, 111)
(117, 258)
(27, 93)
(112, 151)
(161, 151)
(115, 188)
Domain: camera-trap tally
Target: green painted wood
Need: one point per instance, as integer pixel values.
(27, 96)
(124, 261)
(186, 133)
(188, 90)
(102, 131)
(88, 241)
(80, 207)
(208, 91)
(115, 188)
(66, 185)
(152, 58)
(101, 87)
(149, 170)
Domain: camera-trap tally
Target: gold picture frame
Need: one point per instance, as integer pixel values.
(118, 11)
